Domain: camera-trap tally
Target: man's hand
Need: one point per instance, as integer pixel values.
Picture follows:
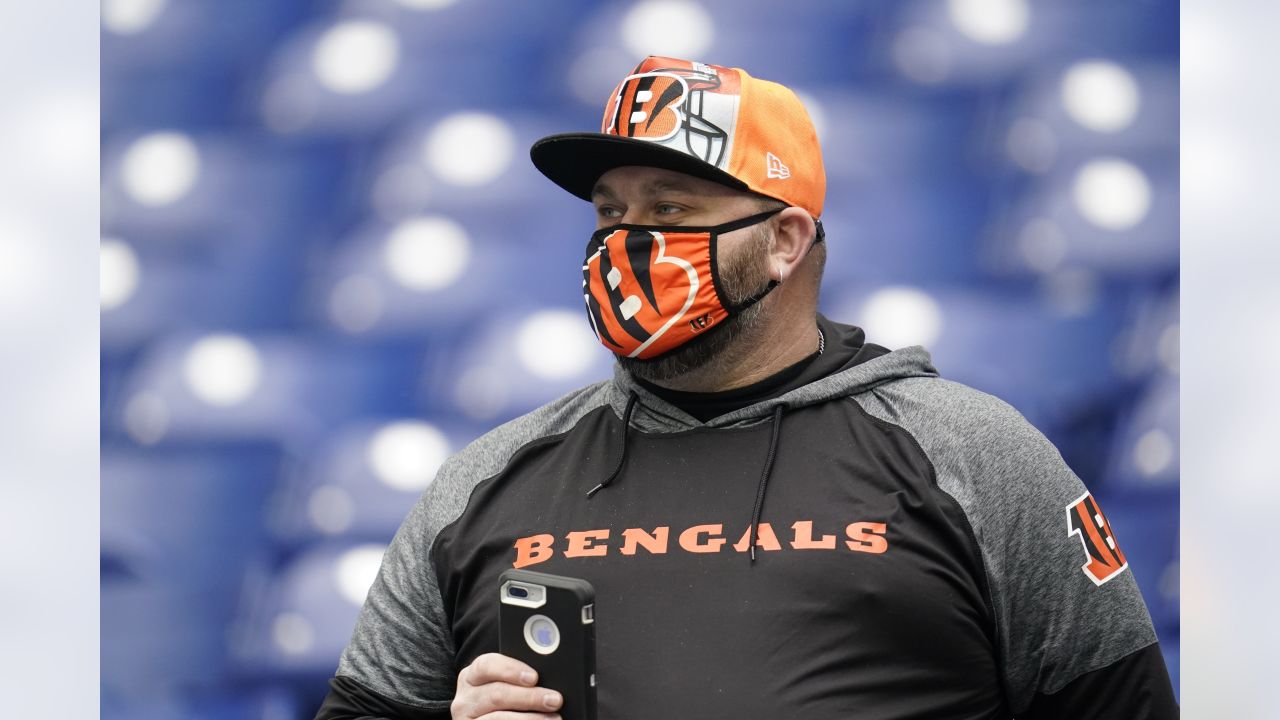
(497, 687)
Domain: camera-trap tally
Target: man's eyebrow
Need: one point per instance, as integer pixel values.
(660, 186)
(651, 188)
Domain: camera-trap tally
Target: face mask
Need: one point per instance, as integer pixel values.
(653, 288)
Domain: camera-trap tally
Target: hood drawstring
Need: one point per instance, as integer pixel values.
(764, 474)
(622, 457)
(764, 478)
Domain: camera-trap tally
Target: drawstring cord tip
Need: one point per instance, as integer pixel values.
(622, 458)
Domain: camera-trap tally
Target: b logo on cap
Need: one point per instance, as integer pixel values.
(676, 104)
(648, 106)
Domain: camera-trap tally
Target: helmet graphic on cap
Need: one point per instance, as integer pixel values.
(669, 104)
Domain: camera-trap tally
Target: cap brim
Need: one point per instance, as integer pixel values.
(575, 161)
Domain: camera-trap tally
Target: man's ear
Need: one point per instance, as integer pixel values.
(793, 235)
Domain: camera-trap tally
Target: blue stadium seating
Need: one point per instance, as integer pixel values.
(339, 234)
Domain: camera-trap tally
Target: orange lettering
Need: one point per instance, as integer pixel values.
(867, 537)
(764, 539)
(655, 543)
(689, 539)
(803, 538)
(580, 543)
(533, 550)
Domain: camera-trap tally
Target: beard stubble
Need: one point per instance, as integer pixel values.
(742, 275)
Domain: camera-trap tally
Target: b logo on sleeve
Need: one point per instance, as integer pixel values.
(1104, 560)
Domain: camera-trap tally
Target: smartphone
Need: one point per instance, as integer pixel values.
(548, 622)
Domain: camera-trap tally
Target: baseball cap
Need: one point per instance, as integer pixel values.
(712, 122)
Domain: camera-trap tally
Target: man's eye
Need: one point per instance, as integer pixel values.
(607, 212)
(665, 209)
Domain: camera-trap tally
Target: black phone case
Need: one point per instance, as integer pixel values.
(571, 668)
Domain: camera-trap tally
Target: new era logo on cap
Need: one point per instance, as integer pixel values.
(774, 168)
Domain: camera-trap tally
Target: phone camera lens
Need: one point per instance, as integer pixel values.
(517, 592)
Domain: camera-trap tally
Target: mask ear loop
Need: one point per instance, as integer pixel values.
(820, 235)
(728, 227)
(757, 297)
(745, 222)
(715, 261)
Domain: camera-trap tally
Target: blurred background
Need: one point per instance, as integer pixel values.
(327, 264)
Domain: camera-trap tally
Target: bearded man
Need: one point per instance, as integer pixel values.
(780, 519)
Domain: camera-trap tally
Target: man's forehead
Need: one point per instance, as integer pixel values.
(654, 181)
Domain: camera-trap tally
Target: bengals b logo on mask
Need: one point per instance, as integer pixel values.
(1104, 560)
(639, 285)
(652, 288)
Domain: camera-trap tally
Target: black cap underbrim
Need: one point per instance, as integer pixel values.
(575, 161)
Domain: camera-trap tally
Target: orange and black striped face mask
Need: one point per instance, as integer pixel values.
(650, 289)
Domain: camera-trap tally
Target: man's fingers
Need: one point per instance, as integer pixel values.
(497, 687)
(492, 667)
(478, 702)
(501, 696)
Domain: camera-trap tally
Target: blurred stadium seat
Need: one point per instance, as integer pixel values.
(361, 481)
(327, 264)
(1046, 354)
(179, 527)
(298, 617)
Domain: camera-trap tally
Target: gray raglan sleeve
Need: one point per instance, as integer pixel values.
(400, 662)
(1054, 622)
(402, 648)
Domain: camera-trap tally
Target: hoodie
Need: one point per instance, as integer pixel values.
(874, 541)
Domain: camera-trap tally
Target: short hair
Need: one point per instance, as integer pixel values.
(766, 203)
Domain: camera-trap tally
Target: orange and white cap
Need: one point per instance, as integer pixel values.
(708, 121)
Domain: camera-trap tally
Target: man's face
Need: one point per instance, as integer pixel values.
(653, 196)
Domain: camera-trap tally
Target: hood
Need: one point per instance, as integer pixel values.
(868, 369)
(870, 365)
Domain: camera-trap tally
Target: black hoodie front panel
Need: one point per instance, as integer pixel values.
(872, 605)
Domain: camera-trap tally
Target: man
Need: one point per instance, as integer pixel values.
(780, 519)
